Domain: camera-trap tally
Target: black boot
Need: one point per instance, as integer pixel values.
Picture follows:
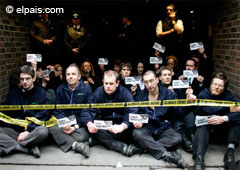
(190, 134)
(134, 149)
(120, 147)
(228, 157)
(174, 157)
(199, 163)
(187, 144)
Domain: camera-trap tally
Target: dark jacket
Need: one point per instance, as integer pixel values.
(65, 95)
(36, 95)
(117, 115)
(210, 110)
(160, 117)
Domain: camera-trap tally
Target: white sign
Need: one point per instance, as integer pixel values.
(196, 45)
(103, 61)
(179, 84)
(132, 80)
(155, 60)
(140, 118)
(67, 120)
(159, 47)
(102, 124)
(202, 120)
(190, 73)
(34, 57)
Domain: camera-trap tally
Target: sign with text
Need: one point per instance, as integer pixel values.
(132, 80)
(67, 120)
(202, 120)
(140, 118)
(34, 57)
(155, 60)
(190, 73)
(196, 45)
(159, 47)
(103, 61)
(102, 124)
(180, 84)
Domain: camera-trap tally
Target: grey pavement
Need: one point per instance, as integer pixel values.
(101, 159)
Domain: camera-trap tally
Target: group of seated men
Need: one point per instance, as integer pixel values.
(159, 136)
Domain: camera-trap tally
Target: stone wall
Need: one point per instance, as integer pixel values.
(14, 44)
(226, 43)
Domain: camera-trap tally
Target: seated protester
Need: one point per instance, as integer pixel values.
(140, 71)
(125, 71)
(88, 75)
(204, 65)
(223, 120)
(185, 125)
(72, 92)
(197, 84)
(158, 137)
(16, 138)
(57, 78)
(172, 62)
(119, 135)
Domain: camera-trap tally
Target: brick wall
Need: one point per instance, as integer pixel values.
(14, 44)
(226, 43)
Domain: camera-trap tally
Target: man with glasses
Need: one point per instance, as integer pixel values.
(224, 120)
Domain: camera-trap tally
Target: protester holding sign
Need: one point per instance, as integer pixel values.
(184, 125)
(224, 121)
(158, 136)
(73, 92)
(195, 80)
(119, 136)
(16, 138)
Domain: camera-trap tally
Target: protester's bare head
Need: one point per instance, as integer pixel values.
(150, 81)
(110, 81)
(165, 75)
(73, 75)
(126, 69)
(219, 83)
(27, 77)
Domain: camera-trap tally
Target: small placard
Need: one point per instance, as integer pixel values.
(155, 60)
(140, 118)
(202, 120)
(159, 47)
(34, 57)
(67, 120)
(103, 61)
(102, 124)
(180, 84)
(132, 80)
(45, 72)
(190, 73)
(196, 45)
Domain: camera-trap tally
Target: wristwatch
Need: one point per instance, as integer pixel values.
(225, 118)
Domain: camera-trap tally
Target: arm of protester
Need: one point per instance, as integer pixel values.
(118, 128)
(68, 129)
(137, 125)
(159, 30)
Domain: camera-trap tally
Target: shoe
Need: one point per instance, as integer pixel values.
(120, 147)
(175, 158)
(92, 141)
(134, 149)
(228, 157)
(2, 154)
(199, 163)
(187, 144)
(34, 151)
(82, 148)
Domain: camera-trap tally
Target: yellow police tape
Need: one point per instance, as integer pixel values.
(159, 103)
(53, 121)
